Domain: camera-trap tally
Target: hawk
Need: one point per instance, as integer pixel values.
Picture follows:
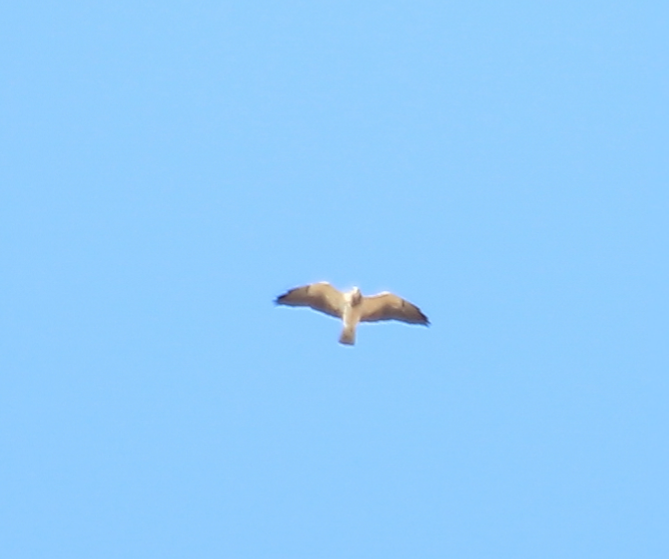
(352, 307)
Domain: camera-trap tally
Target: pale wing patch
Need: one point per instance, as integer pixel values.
(318, 296)
(386, 306)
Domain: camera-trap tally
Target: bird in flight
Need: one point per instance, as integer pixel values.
(352, 307)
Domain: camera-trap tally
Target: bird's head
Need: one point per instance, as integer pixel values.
(356, 296)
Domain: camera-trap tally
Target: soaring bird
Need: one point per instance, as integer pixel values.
(352, 307)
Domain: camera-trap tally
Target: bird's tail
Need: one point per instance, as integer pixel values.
(347, 335)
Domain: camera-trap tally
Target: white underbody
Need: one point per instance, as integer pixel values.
(350, 318)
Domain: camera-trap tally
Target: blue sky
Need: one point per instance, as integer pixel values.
(168, 168)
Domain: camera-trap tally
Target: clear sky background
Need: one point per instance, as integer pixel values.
(168, 168)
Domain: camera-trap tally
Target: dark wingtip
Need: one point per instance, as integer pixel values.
(280, 298)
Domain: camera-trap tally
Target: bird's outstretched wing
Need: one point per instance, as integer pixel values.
(319, 296)
(386, 306)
